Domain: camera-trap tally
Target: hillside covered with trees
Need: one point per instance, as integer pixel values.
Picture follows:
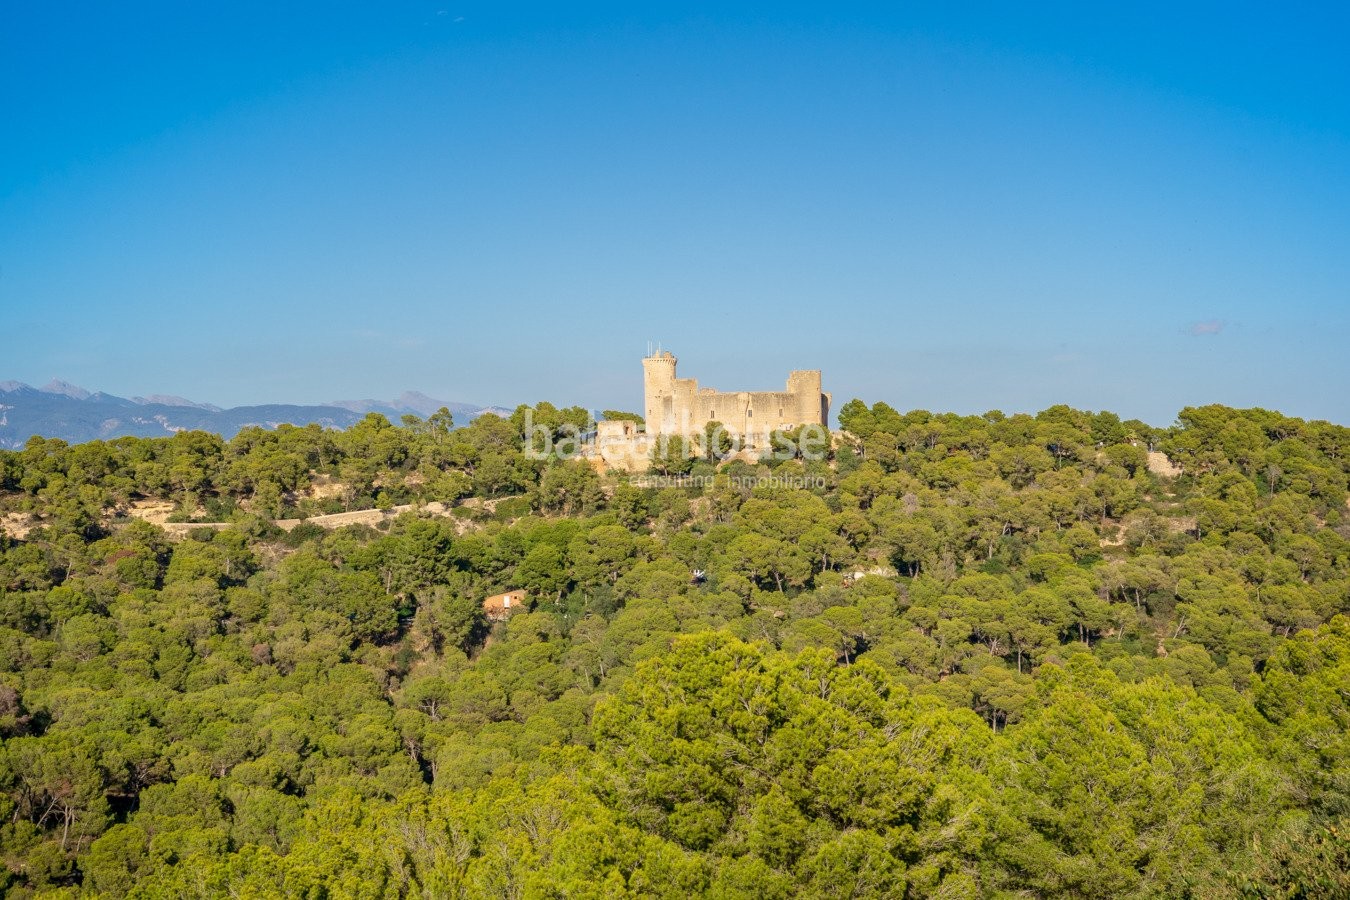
(993, 656)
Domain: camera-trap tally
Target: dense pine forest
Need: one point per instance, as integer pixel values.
(994, 656)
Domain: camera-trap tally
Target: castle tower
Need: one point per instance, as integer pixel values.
(812, 403)
(658, 388)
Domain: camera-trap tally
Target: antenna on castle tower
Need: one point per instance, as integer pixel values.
(649, 348)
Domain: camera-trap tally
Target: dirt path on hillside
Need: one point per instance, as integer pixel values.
(371, 517)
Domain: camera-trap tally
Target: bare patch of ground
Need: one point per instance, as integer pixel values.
(17, 525)
(1159, 464)
(1116, 540)
(183, 529)
(480, 503)
(156, 512)
(324, 487)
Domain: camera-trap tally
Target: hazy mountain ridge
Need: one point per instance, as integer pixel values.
(419, 404)
(69, 412)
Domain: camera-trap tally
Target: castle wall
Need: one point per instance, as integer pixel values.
(621, 446)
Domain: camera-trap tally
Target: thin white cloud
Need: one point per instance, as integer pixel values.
(1206, 328)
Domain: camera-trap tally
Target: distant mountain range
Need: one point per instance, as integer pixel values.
(69, 412)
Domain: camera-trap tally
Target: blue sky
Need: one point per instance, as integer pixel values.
(947, 207)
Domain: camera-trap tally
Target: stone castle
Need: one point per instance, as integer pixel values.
(678, 406)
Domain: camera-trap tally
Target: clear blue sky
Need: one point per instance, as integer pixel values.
(1125, 207)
